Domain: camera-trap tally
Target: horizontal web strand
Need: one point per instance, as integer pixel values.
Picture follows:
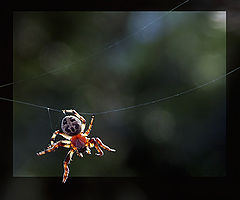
(165, 98)
(134, 106)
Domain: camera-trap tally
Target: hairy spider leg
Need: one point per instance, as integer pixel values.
(103, 145)
(66, 162)
(52, 140)
(90, 127)
(88, 151)
(61, 143)
(74, 112)
(94, 143)
(79, 154)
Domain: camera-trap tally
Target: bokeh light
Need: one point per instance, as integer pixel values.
(97, 61)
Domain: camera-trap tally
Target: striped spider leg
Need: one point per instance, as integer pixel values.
(73, 127)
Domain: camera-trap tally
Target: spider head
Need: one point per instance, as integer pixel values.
(71, 125)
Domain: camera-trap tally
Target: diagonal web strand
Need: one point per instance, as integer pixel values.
(108, 47)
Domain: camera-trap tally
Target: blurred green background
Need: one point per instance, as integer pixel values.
(67, 61)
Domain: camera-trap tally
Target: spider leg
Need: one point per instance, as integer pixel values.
(93, 143)
(88, 151)
(52, 140)
(103, 145)
(66, 162)
(79, 154)
(90, 126)
(61, 143)
(74, 112)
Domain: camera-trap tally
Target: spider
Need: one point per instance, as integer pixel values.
(73, 126)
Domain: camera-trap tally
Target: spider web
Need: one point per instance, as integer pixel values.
(160, 97)
(106, 48)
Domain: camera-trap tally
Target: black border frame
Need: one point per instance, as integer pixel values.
(151, 186)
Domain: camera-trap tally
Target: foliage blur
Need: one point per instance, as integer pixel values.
(98, 61)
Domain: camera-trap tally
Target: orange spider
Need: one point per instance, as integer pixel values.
(73, 130)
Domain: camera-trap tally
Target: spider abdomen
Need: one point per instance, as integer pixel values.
(71, 125)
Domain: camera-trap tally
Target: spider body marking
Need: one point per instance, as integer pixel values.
(73, 127)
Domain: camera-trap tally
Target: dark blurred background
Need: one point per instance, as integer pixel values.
(84, 71)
